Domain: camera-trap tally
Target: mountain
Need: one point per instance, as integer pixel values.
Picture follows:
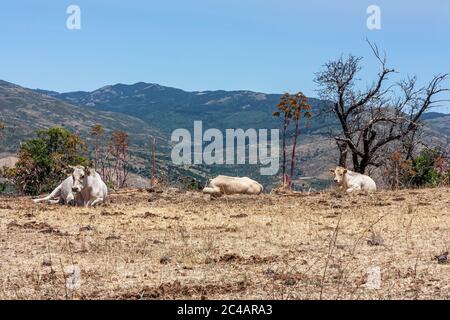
(433, 115)
(440, 124)
(170, 108)
(147, 109)
(24, 111)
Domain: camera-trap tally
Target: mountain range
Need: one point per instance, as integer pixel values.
(146, 110)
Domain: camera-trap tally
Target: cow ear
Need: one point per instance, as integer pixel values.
(332, 170)
(345, 171)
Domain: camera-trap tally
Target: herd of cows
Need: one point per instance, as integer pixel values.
(85, 187)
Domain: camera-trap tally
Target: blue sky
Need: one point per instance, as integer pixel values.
(263, 45)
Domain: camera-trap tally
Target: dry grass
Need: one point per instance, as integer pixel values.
(184, 245)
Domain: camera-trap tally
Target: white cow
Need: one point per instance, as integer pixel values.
(68, 191)
(353, 181)
(84, 187)
(94, 190)
(232, 185)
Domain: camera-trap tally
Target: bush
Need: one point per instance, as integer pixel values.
(7, 186)
(429, 169)
(44, 160)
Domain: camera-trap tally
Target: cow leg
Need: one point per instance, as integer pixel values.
(96, 201)
(53, 201)
(70, 200)
(212, 191)
(355, 188)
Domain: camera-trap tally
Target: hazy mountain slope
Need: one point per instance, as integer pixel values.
(24, 111)
(144, 109)
(169, 108)
(440, 124)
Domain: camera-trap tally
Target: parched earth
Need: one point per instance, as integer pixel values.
(177, 245)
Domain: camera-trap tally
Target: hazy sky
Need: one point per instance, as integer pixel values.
(263, 45)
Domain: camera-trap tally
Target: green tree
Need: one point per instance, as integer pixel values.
(301, 108)
(291, 108)
(44, 160)
(284, 110)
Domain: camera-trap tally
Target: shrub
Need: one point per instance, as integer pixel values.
(43, 160)
(430, 168)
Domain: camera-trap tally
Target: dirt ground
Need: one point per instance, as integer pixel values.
(177, 245)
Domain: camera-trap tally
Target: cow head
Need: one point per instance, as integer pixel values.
(78, 174)
(339, 174)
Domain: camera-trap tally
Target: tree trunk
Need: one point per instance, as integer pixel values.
(284, 154)
(343, 151)
(297, 133)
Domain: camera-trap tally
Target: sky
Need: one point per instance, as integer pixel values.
(269, 46)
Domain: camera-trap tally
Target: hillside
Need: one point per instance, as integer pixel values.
(170, 108)
(178, 245)
(146, 109)
(24, 111)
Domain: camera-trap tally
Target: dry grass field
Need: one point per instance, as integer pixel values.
(178, 245)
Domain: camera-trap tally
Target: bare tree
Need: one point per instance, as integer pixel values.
(97, 132)
(379, 116)
(2, 129)
(153, 179)
(119, 148)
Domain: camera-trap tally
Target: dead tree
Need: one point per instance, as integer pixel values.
(2, 129)
(153, 180)
(97, 133)
(373, 119)
(119, 148)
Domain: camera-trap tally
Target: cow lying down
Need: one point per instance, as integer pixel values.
(84, 187)
(232, 185)
(353, 181)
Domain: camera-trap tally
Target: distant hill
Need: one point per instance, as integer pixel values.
(24, 111)
(146, 109)
(170, 108)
